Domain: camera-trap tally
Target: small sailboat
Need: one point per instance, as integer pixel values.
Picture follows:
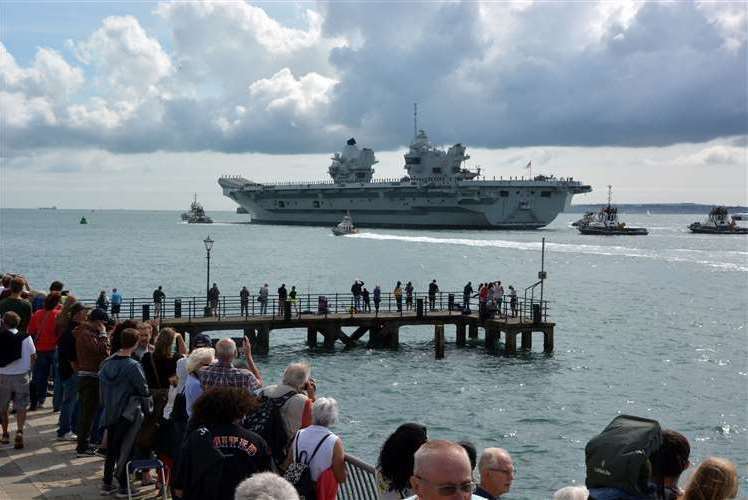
(345, 226)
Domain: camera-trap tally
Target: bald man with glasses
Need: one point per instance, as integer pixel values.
(441, 471)
(496, 473)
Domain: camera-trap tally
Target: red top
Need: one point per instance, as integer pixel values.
(42, 329)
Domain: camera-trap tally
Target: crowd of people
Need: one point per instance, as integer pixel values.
(129, 390)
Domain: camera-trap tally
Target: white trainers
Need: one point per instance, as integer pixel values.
(68, 437)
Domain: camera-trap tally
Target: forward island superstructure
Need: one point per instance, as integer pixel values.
(437, 192)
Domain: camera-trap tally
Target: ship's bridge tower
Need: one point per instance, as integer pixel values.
(353, 164)
(424, 160)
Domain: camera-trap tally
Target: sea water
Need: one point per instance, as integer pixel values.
(653, 326)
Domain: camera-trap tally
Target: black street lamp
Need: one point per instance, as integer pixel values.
(208, 246)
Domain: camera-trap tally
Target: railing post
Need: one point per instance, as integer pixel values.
(132, 308)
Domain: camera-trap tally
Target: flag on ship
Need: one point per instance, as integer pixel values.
(529, 165)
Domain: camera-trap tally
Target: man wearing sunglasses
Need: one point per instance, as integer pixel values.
(496, 473)
(442, 471)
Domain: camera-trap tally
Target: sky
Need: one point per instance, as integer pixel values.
(140, 104)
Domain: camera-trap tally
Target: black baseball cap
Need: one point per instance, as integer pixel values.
(201, 340)
(99, 315)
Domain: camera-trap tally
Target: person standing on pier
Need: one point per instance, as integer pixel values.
(483, 301)
(513, 301)
(91, 348)
(499, 296)
(496, 473)
(223, 374)
(159, 297)
(409, 295)
(442, 470)
(282, 297)
(398, 293)
(433, 290)
(116, 301)
(367, 302)
(244, 301)
(102, 302)
(292, 297)
(356, 292)
(262, 298)
(214, 294)
(377, 298)
(17, 354)
(467, 292)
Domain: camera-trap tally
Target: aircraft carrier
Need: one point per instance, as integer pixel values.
(437, 192)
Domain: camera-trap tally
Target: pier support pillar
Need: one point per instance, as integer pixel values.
(548, 340)
(473, 331)
(461, 334)
(492, 339)
(393, 336)
(262, 344)
(511, 342)
(439, 341)
(527, 340)
(331, 334)
(311, 337)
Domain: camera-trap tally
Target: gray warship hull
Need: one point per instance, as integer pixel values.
(467, 204)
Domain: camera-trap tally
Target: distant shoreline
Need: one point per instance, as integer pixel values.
(659, 208)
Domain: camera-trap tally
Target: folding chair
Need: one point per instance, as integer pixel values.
(134, 466)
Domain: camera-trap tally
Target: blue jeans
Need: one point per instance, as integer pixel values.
(57, 397)
(69, 406)
(40, 379)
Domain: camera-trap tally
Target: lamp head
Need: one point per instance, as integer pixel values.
(208, 243)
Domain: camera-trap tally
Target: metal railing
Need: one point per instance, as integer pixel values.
(323, 304)
(361, 482)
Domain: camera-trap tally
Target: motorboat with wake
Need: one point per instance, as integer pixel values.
(719, 222)
(606, 223)
(345, 226)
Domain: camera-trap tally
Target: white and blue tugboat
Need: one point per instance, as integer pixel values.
(606, 223)
(719, 222)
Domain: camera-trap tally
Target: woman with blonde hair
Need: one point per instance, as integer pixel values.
(715, 479)
(200, 357)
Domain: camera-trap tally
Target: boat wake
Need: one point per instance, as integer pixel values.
(613, 250)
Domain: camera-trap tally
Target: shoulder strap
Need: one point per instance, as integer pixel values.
(316, 449)
(153, 367)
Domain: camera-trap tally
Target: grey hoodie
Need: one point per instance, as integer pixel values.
(120, 378)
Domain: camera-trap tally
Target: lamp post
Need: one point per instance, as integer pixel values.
(208, 247)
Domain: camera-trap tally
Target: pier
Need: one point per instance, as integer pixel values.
(332, 318)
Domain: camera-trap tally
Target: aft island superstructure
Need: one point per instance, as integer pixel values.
(437, 192)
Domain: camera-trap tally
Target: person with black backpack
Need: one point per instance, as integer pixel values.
(318, 455)
(285, 408)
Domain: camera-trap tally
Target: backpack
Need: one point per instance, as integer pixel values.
(619, 457)
(268, 423)
(298, 472)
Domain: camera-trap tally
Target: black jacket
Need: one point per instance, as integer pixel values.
(11, 346)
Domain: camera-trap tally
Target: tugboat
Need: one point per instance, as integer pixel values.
(586, 219)
(196, 215)
(719, 223)
(606, 223)
(345, 226)
(83, 220)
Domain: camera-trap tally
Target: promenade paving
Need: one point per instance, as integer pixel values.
(47, 468)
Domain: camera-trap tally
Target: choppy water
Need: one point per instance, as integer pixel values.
(652, 326)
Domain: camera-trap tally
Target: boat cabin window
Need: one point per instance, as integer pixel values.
(281, 204)
(412, 160)
(437, 170)
(545, 194)
(316, 204)
(504, 194)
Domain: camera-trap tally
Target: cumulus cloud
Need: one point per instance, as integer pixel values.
(719, 155)
(233, 78)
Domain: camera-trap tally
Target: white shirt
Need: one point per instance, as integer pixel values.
(181, 373)
(309, 438)
(23, 364)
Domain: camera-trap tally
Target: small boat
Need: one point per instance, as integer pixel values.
(83, 220)
(606, 223)
(196, 215)
(719, 222)
(586, 218)
(345, 226)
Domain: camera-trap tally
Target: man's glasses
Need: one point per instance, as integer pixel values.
(507, 470)
(446, 490)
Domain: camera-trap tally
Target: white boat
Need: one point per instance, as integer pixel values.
(719, 223)
(606, 223)
(345, 226)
